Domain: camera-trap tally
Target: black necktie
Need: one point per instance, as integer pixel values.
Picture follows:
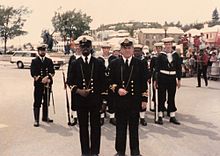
(86, 60)
(126, 63)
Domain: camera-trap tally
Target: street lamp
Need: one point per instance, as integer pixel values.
(165, 31)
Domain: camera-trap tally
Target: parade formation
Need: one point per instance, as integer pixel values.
(120, 86)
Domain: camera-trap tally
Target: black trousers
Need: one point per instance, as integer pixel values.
(131, 119)
(167, 90)
(111, 102)
(73, 101)
(40, 97)
(90, 144)
(202, 70)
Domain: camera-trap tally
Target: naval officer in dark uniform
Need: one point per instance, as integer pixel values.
(168, 78)
(128, 79)
(42, 70)
(87, 81)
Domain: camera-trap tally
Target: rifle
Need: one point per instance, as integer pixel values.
(156, 109)
(48, 98)
(53, 101)
(150, 95)
(67, 98)
(49, 90)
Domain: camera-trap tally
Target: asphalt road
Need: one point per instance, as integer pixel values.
(198, 112)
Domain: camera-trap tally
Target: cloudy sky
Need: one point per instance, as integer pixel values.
(113, 11)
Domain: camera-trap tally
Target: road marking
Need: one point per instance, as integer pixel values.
(3, 126)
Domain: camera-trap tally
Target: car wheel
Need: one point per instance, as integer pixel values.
(20, 65)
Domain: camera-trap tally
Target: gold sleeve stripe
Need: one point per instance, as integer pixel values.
(113, 86)
(145, 94)
(72, 87)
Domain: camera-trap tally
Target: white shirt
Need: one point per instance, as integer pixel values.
(169, 57)
(84, 58)
(77, 56)
(42, 58)
(129, 60)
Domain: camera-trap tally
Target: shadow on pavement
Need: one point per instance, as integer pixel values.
(189, 124)
(57, 128)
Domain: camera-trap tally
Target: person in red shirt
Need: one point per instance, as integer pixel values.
(202, 64)
(197, 42)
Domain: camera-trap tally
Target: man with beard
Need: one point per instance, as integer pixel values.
(128, 79)
(168, 78)
(42, 70)
(87, 82)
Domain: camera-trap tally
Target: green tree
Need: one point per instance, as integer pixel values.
(71, 24)
(215, 15)
(11, 22)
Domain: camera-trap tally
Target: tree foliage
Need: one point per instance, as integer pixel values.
(11, 22)
(215, 15)
(71, 24)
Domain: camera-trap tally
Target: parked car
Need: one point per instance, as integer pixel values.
(24, 58)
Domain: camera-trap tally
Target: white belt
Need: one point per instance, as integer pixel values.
(168, 72)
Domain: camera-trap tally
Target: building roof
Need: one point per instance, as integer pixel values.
(170, 30)
(215, 28)
(193, 32)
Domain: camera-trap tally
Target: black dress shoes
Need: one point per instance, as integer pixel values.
(47, 120)
(74, 122)
(112, 121)
(119, 154)
(174, 121)
(143, 122)
(160, 121)
(36, 124)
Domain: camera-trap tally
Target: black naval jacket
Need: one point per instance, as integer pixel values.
(93, 80)
(162, 63)
(152, 67)
(42, 69)
(136, 86)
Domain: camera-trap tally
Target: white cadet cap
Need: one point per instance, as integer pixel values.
(138, 46)
(158, 44)
(168, 39)
(105, 45)
(84, 38)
